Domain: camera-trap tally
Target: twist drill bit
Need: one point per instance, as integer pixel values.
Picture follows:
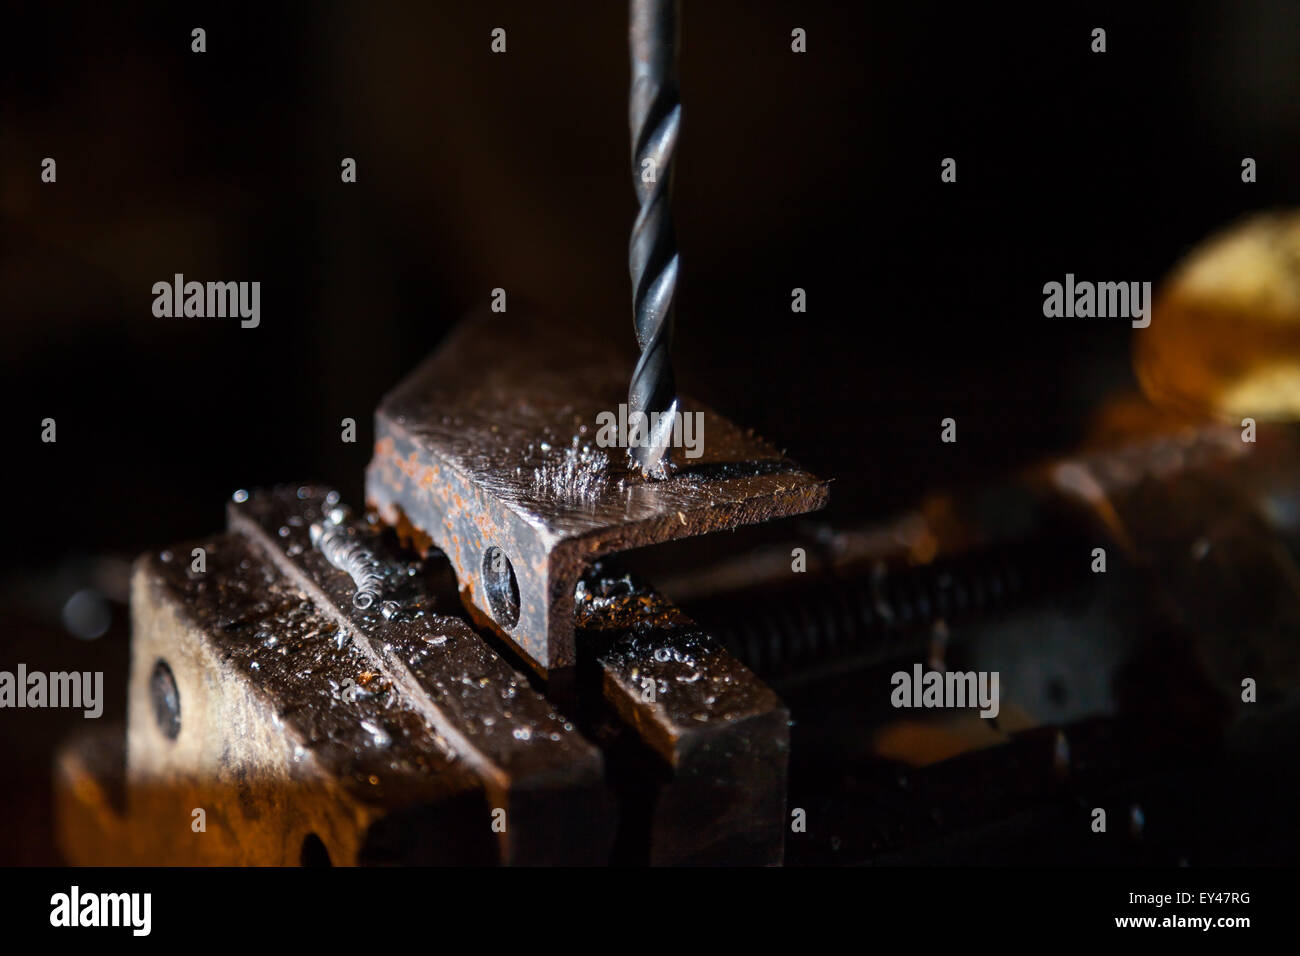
(654, 113)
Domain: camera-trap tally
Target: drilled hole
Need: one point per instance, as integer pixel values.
(166, 700)
(314, 852)
(501, 586)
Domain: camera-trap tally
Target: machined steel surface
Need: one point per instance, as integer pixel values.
(489, 451)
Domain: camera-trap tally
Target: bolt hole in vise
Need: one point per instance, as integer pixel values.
(166, 700)
(501, 586)
(314, 853)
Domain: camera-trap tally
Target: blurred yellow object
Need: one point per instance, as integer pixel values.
(1225, 334)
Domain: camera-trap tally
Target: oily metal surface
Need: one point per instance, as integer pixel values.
(721, 732)
(531, 759)
(491, 443)
(661, 657)
(279, 642)
(295, 746)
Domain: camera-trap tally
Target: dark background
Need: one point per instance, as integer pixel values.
(477, 170)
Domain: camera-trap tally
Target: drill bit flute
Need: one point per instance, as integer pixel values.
(654, 114)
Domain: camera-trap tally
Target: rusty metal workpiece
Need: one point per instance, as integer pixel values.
(721, 732)
(492, 444)
(532, 761)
